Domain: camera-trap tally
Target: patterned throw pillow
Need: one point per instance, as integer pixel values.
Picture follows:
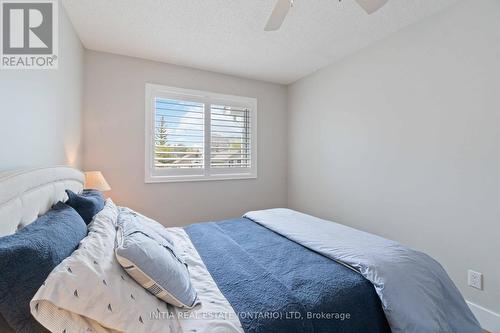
(150, 258)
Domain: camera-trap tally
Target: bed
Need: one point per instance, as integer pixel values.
(269, 271)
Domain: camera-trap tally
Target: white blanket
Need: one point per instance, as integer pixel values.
(416, 293)
(90, 292)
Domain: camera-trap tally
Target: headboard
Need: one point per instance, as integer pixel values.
(27, 194)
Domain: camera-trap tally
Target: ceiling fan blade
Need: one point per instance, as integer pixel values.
(278, 15)
(371, 6)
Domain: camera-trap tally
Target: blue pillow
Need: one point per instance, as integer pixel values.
(87, 204)
(151, 260)
(27, 258)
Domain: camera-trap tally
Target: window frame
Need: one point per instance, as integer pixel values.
(207, 173)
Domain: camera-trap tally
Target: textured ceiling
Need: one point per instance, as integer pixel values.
(227, 36)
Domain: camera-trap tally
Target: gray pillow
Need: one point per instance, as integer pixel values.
(150, 259)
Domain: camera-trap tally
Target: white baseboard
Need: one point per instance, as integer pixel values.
(488, 319)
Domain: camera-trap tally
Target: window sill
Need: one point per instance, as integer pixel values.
(180, 179)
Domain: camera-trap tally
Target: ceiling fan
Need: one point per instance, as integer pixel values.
(283, 6)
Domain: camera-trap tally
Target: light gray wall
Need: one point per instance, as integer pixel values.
(114, 141)
(402, 140)
(40, 112)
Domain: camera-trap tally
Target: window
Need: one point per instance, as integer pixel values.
(196, 135)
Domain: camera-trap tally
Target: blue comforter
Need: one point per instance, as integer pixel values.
(277, 285)
(416, 293)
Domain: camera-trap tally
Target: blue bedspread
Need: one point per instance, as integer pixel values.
(277, 285)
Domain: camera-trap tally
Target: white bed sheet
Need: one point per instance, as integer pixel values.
(214, 314)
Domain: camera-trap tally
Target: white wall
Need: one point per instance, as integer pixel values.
(40, 110)
(403, 140)
(114, 141)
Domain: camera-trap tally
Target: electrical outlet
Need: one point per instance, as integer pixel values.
(475, 280)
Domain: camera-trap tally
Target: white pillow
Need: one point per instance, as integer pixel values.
(152, 260)
(90, 292)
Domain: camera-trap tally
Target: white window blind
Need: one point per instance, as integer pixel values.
(197, 135)
(178, 134)
(230, 137)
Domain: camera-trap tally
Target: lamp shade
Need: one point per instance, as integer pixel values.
(371, 6)
(95, 180)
